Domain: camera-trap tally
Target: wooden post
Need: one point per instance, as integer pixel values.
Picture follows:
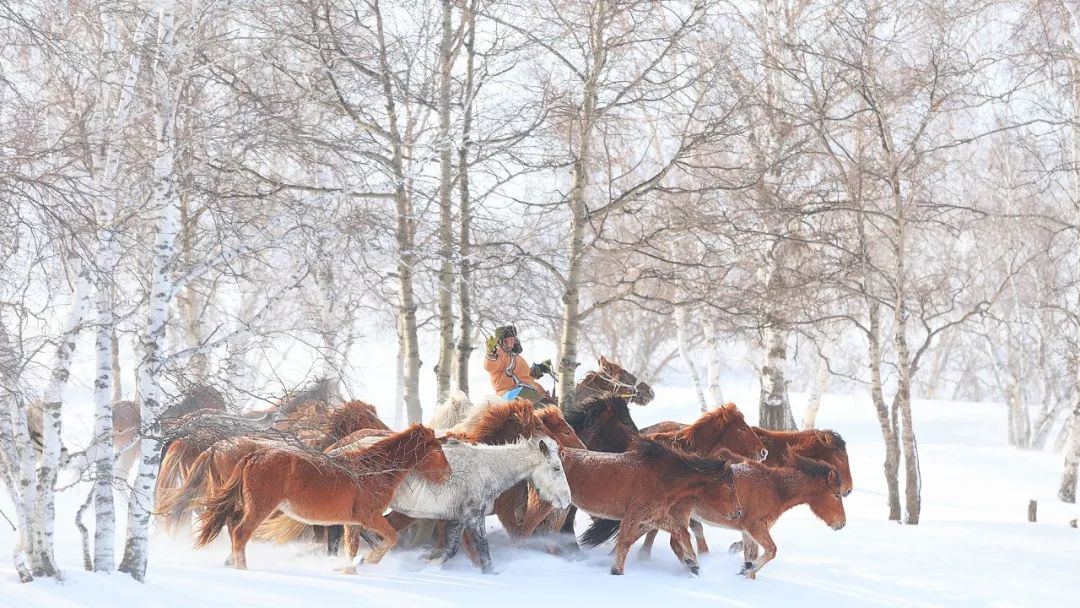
(1032, 507)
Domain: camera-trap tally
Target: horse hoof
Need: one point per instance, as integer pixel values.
(616, 571)
(695, 570)
(487, 570)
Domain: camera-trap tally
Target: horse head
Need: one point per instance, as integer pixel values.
(433, 465)
(556, 427)
(548, 477)
(624, 383)
(735, 434)
(823, 493)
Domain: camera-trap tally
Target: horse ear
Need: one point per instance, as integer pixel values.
(602, 360)
(544, 448)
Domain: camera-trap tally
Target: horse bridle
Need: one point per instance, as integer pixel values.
(617, 384)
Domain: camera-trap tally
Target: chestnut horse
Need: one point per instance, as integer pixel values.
(355, 487)
(784, 447)
(722, 427)
(639, 487)
(719, 433)
(502, 423)
(762, 494)
(314, 424)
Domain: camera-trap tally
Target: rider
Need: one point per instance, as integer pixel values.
(511, 375)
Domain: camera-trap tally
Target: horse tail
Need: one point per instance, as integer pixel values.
(281, 528)
(175, 505)
(169, 473)
(600, 530)
(222, 505)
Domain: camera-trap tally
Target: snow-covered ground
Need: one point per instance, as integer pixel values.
(974, 546)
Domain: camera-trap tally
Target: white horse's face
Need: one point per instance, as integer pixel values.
(549, 477)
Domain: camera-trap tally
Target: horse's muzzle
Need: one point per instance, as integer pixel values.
(839, 525)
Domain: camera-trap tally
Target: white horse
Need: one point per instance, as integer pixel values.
(479, 475)
(450, 412)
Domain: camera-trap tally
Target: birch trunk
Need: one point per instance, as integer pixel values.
(715, 363)
(406, 250)
(813, 403)
(117, 381)
(775, 407)
(44, 515)
(1067, 490)
(17, 461)
(103, 450)
(167, 205)
(446, 214)
(684, 354)
(889, 430)
(465, 322)
(575, 243)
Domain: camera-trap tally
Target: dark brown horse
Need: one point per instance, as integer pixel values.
(638, 488)
(611, 380)
(762, 495)
(355, 487)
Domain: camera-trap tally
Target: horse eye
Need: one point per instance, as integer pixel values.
(558, 469)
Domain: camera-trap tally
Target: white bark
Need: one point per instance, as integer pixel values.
(167, 206)
(16, 454)
(684, 354)
(813, 403)
(715, 363)
(44, 516)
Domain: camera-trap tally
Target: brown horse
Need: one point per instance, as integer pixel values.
(762, 494)
(825, 445)
(355, 487)
(211, 468)
(639, 487)
(314, 425)
(500, 424)
(722, 427)
(610, 380)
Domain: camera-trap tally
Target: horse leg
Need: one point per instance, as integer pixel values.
(387, 538)
(333, 539)
(255, 512)
(454, 530)
(629, 532)
(680, 544)
(478, 532)
(761, 535)
(699, 536)
(352, 547)
(749, 547)
(646, 547)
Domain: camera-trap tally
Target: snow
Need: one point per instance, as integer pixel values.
(974, 546)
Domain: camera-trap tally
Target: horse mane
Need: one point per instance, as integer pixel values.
(500, 423)
(816, 468)
(548, 412)
(837, 441)
(717, 418)
(654, 451)
(583, 415)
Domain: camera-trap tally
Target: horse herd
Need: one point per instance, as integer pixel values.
(340, 472)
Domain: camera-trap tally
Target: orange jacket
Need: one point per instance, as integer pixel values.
(509, 370)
